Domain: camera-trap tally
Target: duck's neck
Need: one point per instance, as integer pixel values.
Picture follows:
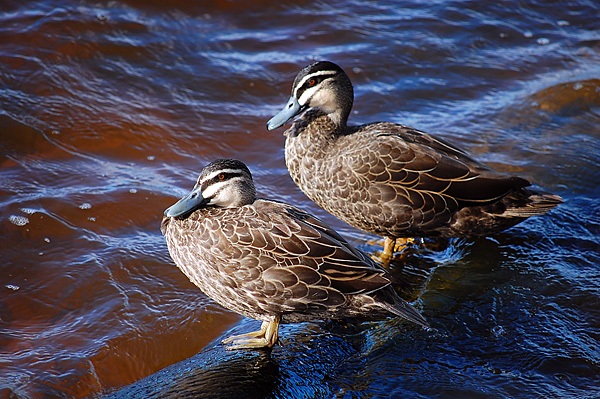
(338, 117)
(317, 123)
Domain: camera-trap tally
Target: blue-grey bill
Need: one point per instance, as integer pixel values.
(187, 204)
(290, 110)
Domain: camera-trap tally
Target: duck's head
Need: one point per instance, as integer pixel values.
(321, 85)
(224, 183)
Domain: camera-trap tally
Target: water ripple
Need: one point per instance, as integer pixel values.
(109, 110)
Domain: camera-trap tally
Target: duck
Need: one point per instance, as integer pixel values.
(271, 261)
(389, 179)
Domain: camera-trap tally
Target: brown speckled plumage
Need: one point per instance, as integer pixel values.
(390, 179)
(273, 262)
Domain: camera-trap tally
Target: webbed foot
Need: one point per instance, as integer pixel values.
(266, 337)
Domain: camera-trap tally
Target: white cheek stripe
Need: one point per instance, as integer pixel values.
(213, 189)
(312, 75)
(305, 97)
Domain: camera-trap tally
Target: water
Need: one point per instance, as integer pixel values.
(109, 110)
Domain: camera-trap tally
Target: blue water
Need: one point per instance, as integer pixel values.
(108, 111)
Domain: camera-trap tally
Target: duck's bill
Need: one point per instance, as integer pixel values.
(291, 109)
(188, 204)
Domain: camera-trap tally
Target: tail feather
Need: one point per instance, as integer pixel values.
(404, 309)
(537, 204)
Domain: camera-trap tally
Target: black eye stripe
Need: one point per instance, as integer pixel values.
(228, 176)
(318, 79)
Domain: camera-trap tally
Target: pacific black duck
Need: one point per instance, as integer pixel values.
(390, 179)
(271, 261)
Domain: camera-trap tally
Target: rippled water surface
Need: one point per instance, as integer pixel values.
(109, 110)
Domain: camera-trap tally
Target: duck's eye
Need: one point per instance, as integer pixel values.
(312, 82)
(221, 176)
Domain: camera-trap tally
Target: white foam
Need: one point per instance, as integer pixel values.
(18, 220)
(543, 41)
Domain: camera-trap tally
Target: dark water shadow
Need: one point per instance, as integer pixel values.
(213, 373)
(304, 364)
